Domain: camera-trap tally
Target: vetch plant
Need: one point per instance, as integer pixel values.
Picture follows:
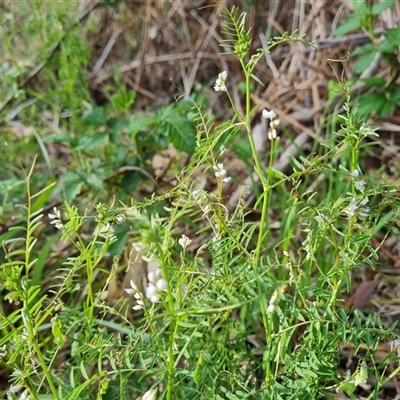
(245, 304)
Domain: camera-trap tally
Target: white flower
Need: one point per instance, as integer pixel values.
(107, 231)
(227, 179)
(222, 150)
(57, 224)
(133, 289)
(184, 241)
(220, 171)
(56, 218)
(269, 114)
(150, 395)
(360, 185)
(56, 214)
(121, 218)
(363, 212)
(3, 351)
(355, 174)
(274, 122)
(272, 134)
(24, 395)
(273, 302)
(161, 284)
(394, 344)
(354, 208)
(155, 286)
(15, 389)
(220, 82)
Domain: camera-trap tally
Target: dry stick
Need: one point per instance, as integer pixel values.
(138, 88)
(148, 60)
(146, 42)
(40, 66)
(199, 57)
(106, 52)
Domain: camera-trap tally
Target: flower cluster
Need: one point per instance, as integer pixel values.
(16, 389)
(359, 184)
(56, 218)
(106, 231)
(184, 241)
(356, 208)
(307, 244)
(220, 82)
(121, 218)
(155, 286)
(274, 122)
(220, 172)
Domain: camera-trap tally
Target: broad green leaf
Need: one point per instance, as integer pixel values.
(138, 124)
(360, 6)
(374, 82)
(388, 107)
(95, 117)
(181, 133)
(382, 6)
(95, 182)
(364, 62)
(391, 43)
(367, 48)
(352, 23)
(395, 94)
(131, 180)
(71, 185)
(375, 102)
(117, 124)
(92, 142)
(57, 138)
(164, 113)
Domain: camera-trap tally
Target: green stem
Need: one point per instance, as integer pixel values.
(25, 312)
(264, 212)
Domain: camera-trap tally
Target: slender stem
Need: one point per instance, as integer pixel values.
(264, 212)
(25, 312)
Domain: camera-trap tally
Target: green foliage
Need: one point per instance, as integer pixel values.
(384, 99)
(125, 143)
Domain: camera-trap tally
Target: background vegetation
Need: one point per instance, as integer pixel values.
(156, 243)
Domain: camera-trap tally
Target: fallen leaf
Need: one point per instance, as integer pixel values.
(363, 293)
